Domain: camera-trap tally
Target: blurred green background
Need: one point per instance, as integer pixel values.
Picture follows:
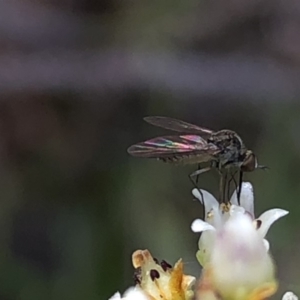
(76, 79)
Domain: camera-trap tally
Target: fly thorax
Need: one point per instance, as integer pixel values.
(227, 141)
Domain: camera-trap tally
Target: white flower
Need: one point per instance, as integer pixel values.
(216, 215)
(289, 296)
(133, 293)
(240, 268)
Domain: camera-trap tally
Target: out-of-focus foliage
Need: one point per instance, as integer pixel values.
(76, 78)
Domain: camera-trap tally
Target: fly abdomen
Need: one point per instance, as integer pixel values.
(172, 159)
(186, 159)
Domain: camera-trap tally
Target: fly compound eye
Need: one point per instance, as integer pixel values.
(249, 164)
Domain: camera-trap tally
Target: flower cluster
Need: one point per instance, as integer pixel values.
(216, 216)
(158, 280)
(233, 252)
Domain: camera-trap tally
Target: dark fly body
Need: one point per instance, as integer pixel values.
(224, 149)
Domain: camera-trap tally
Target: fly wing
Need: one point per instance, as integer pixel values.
(171, 145)
(177, 125)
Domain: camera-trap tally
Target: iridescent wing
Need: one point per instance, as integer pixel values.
(177, 125)
(167, 146)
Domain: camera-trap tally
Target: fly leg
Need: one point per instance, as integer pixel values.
(240, 186)
(229, 183)
(197, 176)
(221, 184)
(224, 187)
(197, 173)
(200, 171)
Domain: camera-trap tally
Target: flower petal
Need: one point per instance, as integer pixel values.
(115, 296)
(135, 294)
(211, 207)
(268, 218)
(205, 244)
(199, 225)
(235, 209)
(289, 296)
(238, 247)
(210, 202)
(247, 198)
(267, 245)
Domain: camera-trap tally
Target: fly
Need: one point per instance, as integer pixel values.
(224, 149)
